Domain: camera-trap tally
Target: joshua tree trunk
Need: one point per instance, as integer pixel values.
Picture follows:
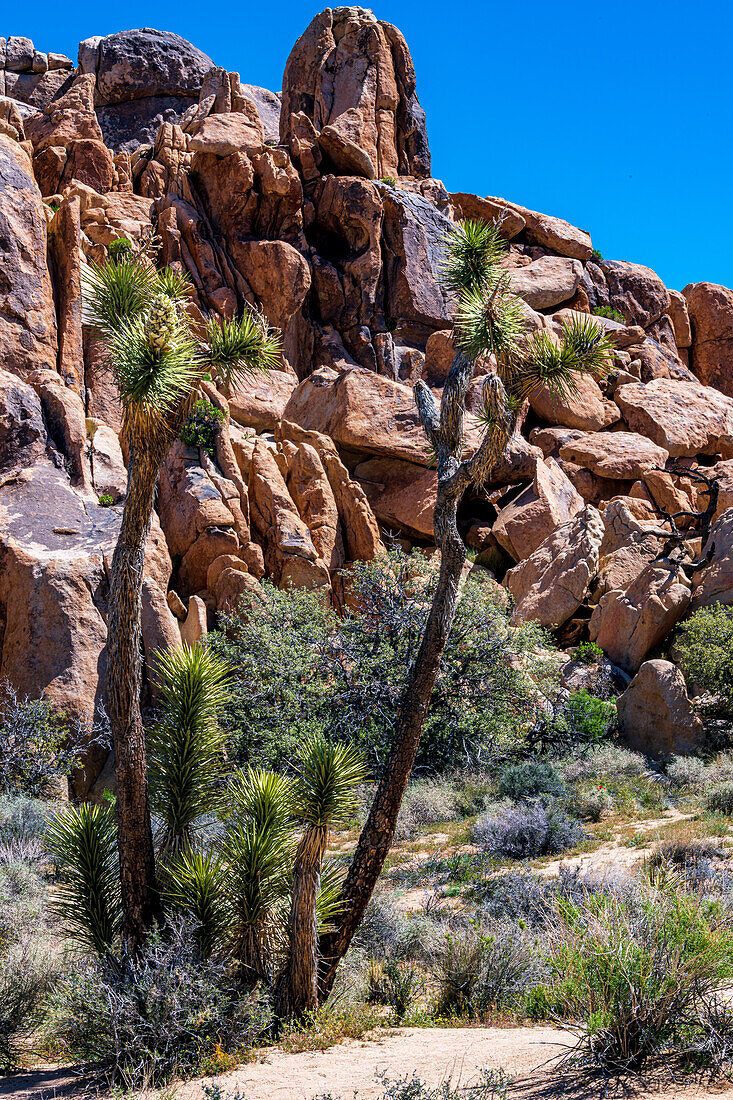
(140, 900)
(445, 433)
(297, 991)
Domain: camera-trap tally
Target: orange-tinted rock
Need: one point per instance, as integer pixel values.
(655, 715)
(402, 495)
(551, 584)
(360, 528)
(553, 233)
(290, 555)
(629, 625)
(550, 501)
(313, 496)
(353, 74)
(64, 238)
(685, 418)
(625, 455)
(714, 583)
(711, 314)
(548, 281)
(496, 211)
(584, 408)
(680, 318)
(259, 400)
(223, 134)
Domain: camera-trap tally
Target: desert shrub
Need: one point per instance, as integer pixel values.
(634, 974)
(492, 1084)
(22, 826)
(36, 747)
(704, 648)
(527, 830)
(425, 803)
(381, 928)
(591, 803)
(27, 965)
(688, 771)
(482, 968)
(119, 249)
(202, 426)
(400, 986)
(529, 779)
(299, 668)
(720, 799)
(26, 975)
(602, 761)
(159, 1015)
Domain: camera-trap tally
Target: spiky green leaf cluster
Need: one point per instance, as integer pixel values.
(196, 886)
(242, 346)
(115, 292)
(186, 746)
(82, 842)
(327, 775)
(153, 381)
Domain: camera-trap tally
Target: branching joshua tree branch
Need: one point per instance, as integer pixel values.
(489, 320)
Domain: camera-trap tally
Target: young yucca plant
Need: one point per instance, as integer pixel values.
(157, 362)
(327, 776)
(196, 886)
(81, 841)
(186, 745)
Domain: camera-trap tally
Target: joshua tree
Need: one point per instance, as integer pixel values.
(157, 361)
(324, 795)
(488, 322)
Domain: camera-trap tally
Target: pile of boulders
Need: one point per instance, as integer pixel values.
(317, 206)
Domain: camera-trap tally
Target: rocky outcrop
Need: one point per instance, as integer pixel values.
(551, 584)
(352, 76)
(317, 209)
(710, 309)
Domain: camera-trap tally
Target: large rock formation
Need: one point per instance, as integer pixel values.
(317, 208)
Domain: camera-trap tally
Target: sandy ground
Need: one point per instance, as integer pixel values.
(352, 1070)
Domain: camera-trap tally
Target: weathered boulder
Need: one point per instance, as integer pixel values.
(655, 715)
(313, 496)
(290, 556)
(624, 455)
(353, 74)
(143, 63)
(628, 625)
(635, 291)
(628, 544)
(548, 281)
(360, 529)
(27, 316)
(550, 501)
(553, 233)
(685, 418)
(258, 400)
(680, 318)
(496, 211)
(402, 495)
(364, 412)
(585, 407)
(711, 314)
(413, 243)
(551, 584)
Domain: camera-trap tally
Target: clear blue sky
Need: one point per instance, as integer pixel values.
(616, 116)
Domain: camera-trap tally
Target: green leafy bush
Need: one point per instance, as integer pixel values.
(298, 668)
(202, 426)
(720, 799)
(120, 249)
(105, 500)
(37, 748)
(588, 653)
(529, 779)
(704, 646)
(636, 971)
(482, 968)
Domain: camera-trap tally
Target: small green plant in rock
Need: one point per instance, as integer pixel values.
(596, 256)
(609, 312)
(588, 653)
(105, 500)
(202, 426)
(119, 249)
(391, 181)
